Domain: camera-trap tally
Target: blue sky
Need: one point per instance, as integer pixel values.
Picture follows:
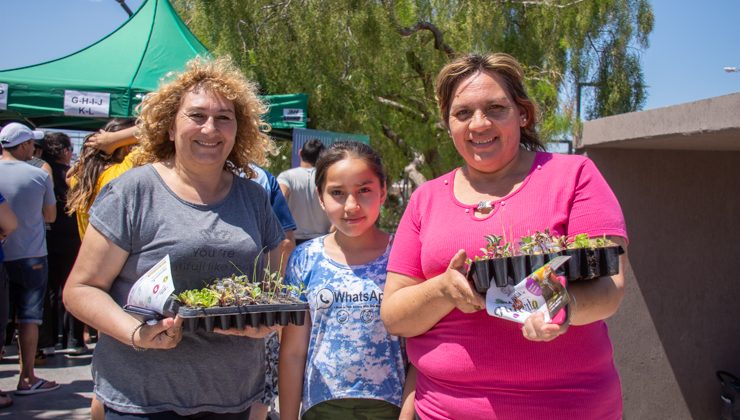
(691, 43)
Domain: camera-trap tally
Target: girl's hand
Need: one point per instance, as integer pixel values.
(458, 289)
(165, 334)
(259, 332)
(103, 141)
(536, 329)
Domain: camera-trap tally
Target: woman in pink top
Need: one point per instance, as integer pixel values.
(471, 365)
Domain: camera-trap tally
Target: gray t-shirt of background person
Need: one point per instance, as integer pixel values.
(27, 190)
(206, 371)
(303, 201)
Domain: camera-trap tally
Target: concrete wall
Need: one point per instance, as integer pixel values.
(680, 320)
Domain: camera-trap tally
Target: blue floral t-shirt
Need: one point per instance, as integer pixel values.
(350, 353)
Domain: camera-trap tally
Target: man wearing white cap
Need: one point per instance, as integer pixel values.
(30, 193)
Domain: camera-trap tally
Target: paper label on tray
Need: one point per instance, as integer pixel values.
(539, 292)
(153, 288)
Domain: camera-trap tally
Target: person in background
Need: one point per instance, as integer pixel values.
(104, 157)
(36, 160)
(46, 330)
(30, 192)
(299, 188)
(342, 363)
(260, 409)
(471, 365)
(187, 201)
(62, 243)
(8, 223)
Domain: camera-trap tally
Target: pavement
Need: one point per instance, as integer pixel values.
(70, 401)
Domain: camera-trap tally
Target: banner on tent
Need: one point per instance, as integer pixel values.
(3, 96)
(86, 104)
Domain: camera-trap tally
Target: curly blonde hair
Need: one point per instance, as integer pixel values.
(220, 76)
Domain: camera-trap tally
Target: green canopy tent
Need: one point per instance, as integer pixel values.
(109, 78)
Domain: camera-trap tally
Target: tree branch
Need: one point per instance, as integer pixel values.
(403, 108)
(393, 136)
(439, 43)
(546, 3)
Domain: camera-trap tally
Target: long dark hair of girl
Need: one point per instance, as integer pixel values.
(89, 166)
(348, 149)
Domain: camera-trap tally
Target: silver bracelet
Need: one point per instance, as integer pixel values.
(133, 333)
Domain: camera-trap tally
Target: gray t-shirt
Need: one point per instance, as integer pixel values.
(27, 190)
(206, 371)
(303, 202)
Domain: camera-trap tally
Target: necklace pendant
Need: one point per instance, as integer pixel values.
(484, 205)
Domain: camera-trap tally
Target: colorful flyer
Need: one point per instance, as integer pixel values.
(541, 291)
(153, 288)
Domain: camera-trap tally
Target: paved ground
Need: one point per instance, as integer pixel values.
(71, 401)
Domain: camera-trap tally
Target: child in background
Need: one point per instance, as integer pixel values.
(342, 363)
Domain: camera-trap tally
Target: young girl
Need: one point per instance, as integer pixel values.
(342, 363)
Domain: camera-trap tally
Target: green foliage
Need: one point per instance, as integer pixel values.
(199, 298)
(366, 70)
(237, 290)
(496, 247)
(538, 243)
(581, 241)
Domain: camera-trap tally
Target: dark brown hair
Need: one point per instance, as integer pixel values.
(502, 65)
(311, 150)
(348, 149)
(54, 145)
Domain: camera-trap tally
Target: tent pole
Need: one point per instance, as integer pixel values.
(125, 7)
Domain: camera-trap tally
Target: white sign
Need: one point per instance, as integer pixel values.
(541, 291)
(3, 96)
(153, 288)
(292, 114)
(86, 104)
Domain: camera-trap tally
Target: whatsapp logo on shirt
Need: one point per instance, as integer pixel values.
(324, 299)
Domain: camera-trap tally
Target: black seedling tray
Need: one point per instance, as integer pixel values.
(584, 264)
(241, 317)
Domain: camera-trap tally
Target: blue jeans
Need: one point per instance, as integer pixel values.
(28, 277)
(4, 307)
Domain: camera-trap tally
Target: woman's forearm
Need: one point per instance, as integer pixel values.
(108, 141)
(600, 298)
(97, 309)
(410, 309)
(86, 291)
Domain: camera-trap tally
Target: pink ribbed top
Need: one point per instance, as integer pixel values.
(479, 367)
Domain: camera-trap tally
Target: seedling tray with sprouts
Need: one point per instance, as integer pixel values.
(240, 317)
(584, 264)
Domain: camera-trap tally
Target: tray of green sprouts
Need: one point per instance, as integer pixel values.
(235, 302)
(501, 263)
